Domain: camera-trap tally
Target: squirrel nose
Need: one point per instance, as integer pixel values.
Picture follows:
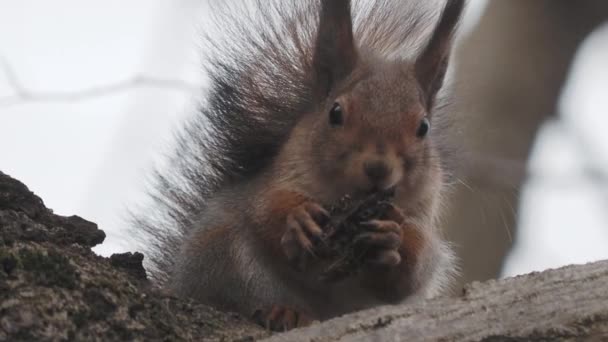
(376, 171)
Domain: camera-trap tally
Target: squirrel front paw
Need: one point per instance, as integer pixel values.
(381, 241)
(303, 232)
(281, 318)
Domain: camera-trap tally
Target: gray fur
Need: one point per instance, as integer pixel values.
(261, 69)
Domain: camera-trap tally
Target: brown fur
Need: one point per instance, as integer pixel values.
(271, 217)
(251, 245)
(209, 237)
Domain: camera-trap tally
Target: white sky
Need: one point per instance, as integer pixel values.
(87, 157)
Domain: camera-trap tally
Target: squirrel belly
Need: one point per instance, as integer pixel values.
(311, 109)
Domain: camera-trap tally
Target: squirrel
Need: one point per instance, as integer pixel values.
(305, 107)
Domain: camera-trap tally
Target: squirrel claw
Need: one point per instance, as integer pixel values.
(303, 232)
(280, 318)
(381, 242)
(394, 214)
(384, 258)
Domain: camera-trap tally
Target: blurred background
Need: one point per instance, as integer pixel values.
(91, 91)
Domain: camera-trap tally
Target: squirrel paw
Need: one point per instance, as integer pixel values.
(303, 231)
(280, 318)
(381, 241)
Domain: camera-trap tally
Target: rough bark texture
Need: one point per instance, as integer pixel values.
(53, 288)
(568, 304)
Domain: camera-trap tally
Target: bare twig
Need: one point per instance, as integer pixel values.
(13, 80)
(24, 95)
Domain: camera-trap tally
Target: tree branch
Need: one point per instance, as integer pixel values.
(24, 95)
(567, 304)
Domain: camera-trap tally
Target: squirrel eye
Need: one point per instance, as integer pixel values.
(335, 115)
(423, 129)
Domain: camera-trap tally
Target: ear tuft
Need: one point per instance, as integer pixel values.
(432, 64)
(335, 54)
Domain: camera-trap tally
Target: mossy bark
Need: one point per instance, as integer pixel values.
(54, 288)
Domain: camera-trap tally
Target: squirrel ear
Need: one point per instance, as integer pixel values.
(432, 64)
(335, 54)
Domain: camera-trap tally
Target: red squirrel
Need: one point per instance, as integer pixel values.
(303, 109)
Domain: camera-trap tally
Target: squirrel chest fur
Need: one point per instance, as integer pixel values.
(312, 109)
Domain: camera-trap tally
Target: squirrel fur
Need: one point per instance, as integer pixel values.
(309, 101)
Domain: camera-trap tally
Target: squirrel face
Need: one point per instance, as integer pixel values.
(370, 128)
(373, 135)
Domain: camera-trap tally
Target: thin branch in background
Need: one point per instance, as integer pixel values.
(496, 171)
(11, 76)
(24, 96)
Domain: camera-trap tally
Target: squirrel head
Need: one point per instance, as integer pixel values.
(373, 134)
(370, 130)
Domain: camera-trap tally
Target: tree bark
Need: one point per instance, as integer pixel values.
(53, 288)
(568, 304)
